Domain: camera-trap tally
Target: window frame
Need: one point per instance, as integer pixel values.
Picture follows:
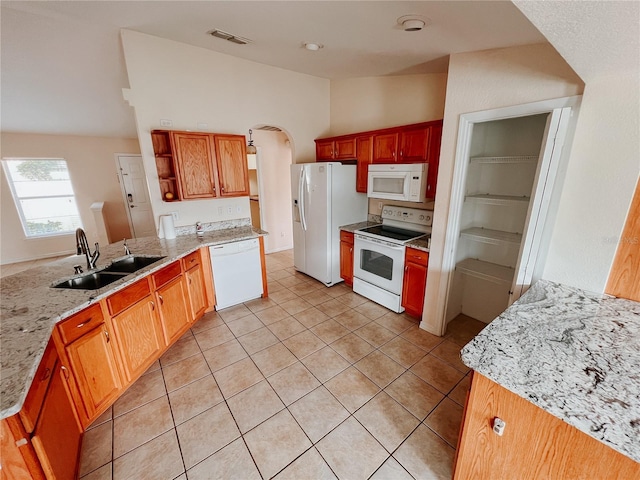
(17, 199)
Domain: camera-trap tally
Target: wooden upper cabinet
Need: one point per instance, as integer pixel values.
(231, 160)
(336, 148)
(363, 157)
(324, 150)
(435, 137)
(414, 145)
(194, 162)
(385, 147)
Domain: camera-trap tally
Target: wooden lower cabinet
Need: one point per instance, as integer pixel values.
(415, 281)
(93, 365)
(346, 257)
(139, 337)
(196, 290)
(18, 458)
(57, 437)
(175, 315)
(534, 444)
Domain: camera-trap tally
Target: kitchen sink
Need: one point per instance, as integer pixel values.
(91, 281)
(131, 264)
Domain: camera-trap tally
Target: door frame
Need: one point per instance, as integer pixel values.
(121, 184)
(456, 200)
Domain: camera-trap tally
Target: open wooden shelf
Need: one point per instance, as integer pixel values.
(488, 199)
(509, 159)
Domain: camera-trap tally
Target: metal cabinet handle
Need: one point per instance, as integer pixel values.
(189, 280)
(80, 325)
(106, 334)
(161, 299)
(64, 371)
(46, 374)
(153, 306)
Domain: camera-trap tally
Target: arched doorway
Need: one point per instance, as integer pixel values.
(270, 187)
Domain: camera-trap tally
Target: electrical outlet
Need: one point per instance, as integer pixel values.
(175, 216)
(238, 209)
(230, 210)
(282, 234)
(166, 123)
(220, 211)
(379, 205)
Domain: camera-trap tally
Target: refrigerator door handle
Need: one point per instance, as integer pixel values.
(301, 207)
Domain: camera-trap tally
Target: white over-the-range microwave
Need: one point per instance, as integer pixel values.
(395, 181)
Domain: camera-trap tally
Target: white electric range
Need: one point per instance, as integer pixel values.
(378, 257)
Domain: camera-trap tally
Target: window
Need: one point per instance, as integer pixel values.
(43, 195)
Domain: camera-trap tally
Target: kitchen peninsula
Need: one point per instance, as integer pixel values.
(560, 369)
(121, 329)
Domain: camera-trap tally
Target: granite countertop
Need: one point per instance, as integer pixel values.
(352, 227)
(421, 243)
(29, 308)
(572, 353)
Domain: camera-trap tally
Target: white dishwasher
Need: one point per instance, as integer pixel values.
(237, 272)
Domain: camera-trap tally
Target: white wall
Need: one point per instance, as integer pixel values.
(190, 85)
(369, 103)
(92, 168)
(481, 81)
(599, 185)
(274, 164)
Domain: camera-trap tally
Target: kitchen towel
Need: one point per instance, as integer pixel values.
(167, 228)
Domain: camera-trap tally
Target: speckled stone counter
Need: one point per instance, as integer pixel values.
(421, 243)
(572, 353)
(29, 308)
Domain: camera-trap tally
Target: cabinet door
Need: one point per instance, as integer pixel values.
(231, 160)
(195, 287)
(414, 146)
(94, 368)
(345, 148)
(139, 336)
(385, 147)
(175, 317)
(324, 150)
(346, 257)
(415, 280)
(57, 436)
(363, 156)
(195, 165)
(435, 137)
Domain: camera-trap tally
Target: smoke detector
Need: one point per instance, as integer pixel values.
(413, 23)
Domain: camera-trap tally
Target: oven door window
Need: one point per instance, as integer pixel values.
(376, 263)
(392, 185)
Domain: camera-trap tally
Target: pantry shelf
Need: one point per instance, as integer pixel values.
(497, 199)
(486, 271)
(510, 159)
(494, 237)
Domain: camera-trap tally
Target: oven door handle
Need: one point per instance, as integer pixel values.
(375, 241)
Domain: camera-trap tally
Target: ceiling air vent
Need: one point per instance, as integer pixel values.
(229, 36)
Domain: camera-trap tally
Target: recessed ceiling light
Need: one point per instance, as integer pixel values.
(413, 23)
(314, 47)
(229, 37)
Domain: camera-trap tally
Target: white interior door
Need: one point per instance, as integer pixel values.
(136, 195)
(553, 140)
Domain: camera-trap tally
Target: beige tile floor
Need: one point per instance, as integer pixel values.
(311, 383)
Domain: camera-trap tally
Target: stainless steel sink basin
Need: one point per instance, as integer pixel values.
(91, 281)
(131, 264)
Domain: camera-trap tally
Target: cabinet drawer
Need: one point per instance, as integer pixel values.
(346, 236)
(127, 297)
(77, 325)
(166, 274)
(416, 256)
(191, 260)
(35, 397)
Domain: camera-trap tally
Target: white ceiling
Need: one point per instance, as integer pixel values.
(63, 68)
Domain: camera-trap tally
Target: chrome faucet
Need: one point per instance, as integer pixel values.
(126, 247)
(82, 244)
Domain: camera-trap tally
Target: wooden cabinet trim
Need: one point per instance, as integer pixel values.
(80, 323)
(33, 402)
(126, 297)
(191, 260)
(166, 274)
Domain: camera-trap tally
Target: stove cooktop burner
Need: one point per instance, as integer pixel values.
(394, 233)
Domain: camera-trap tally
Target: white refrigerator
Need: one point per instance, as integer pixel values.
(324, 198)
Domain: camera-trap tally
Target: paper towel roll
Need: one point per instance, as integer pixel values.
(167, 227)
